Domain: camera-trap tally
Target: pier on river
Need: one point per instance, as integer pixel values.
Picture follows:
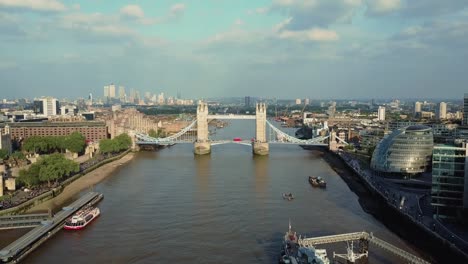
(24, 245)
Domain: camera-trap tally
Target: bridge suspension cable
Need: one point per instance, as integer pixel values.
(170, 139)
(284, 137)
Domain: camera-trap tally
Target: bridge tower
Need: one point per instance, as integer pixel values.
(332, 144)
(202, 146)
(260, 145)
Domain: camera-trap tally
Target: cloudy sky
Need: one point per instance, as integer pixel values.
(207, 48)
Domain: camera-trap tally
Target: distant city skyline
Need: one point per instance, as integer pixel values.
(279, 48)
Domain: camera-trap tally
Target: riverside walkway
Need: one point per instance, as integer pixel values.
(408, 257)
(34, 238)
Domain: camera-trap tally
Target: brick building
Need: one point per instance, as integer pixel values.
(93, 131)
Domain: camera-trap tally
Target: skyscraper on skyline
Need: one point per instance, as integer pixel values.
(122, 93)
(417, 108)
(442, 112)
(465, 110)
(247, 101)
(112, 90)
(381, 113)
(106, 91)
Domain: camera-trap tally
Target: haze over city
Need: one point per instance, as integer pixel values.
(280, 48)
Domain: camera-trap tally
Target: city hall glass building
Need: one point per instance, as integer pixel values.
(406, 151)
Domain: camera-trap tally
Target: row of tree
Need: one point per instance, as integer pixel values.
(118, 144)
(75, 142)
(47, 169)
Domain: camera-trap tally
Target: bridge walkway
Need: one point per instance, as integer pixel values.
(410, 258)
(22, 221)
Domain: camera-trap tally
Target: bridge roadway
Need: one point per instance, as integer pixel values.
(220, 142)
(225, 117)
(34, 238)
(410, 258)
(22, 221)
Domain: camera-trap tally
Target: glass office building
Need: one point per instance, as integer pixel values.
(406, 151)
(449, 181)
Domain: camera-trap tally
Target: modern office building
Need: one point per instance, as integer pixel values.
(465, 110)
(370, 138)
(404, 152)
(46, 106)
(106, 91)
(381, 113)
(247, 101)
(68, 110)
(449, 181)
(109, 91)
(417, 108)
(122, 94)
(112, 91)
(442, 113)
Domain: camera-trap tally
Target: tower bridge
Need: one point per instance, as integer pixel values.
(260, 144)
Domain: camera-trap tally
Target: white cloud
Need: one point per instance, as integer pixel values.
(311, 34)
(314, 34)
(238, 22)
(261, 10)
(316, 13)
(383, 6)
(37, 5)
(96, 24)
(177, 9)
(133, 11)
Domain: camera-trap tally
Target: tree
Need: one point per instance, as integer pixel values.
(55, 167)
(29, 177)
(3, 154)
(123, 142)
(75, 142)
(106, 146)
(34, 144)
(47, 169)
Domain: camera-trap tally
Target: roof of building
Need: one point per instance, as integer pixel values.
(56, 124)
(417, 127)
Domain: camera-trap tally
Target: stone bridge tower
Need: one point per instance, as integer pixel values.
(202, 145)
(260, 145)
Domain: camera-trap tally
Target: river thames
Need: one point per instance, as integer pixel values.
(170, 206)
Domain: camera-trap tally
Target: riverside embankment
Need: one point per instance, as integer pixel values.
(431, 245)
(84, 182)
(90, 174)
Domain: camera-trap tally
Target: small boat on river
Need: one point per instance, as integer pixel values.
(317, 182)
(288, 196)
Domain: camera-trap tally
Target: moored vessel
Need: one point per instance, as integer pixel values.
(317, 182)
(288, 196)
(82, 218)
(292, 252)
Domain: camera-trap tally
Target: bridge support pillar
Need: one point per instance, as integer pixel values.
(260, 146)
(202, 146)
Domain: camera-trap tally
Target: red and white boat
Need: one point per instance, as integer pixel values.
(81, 218)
